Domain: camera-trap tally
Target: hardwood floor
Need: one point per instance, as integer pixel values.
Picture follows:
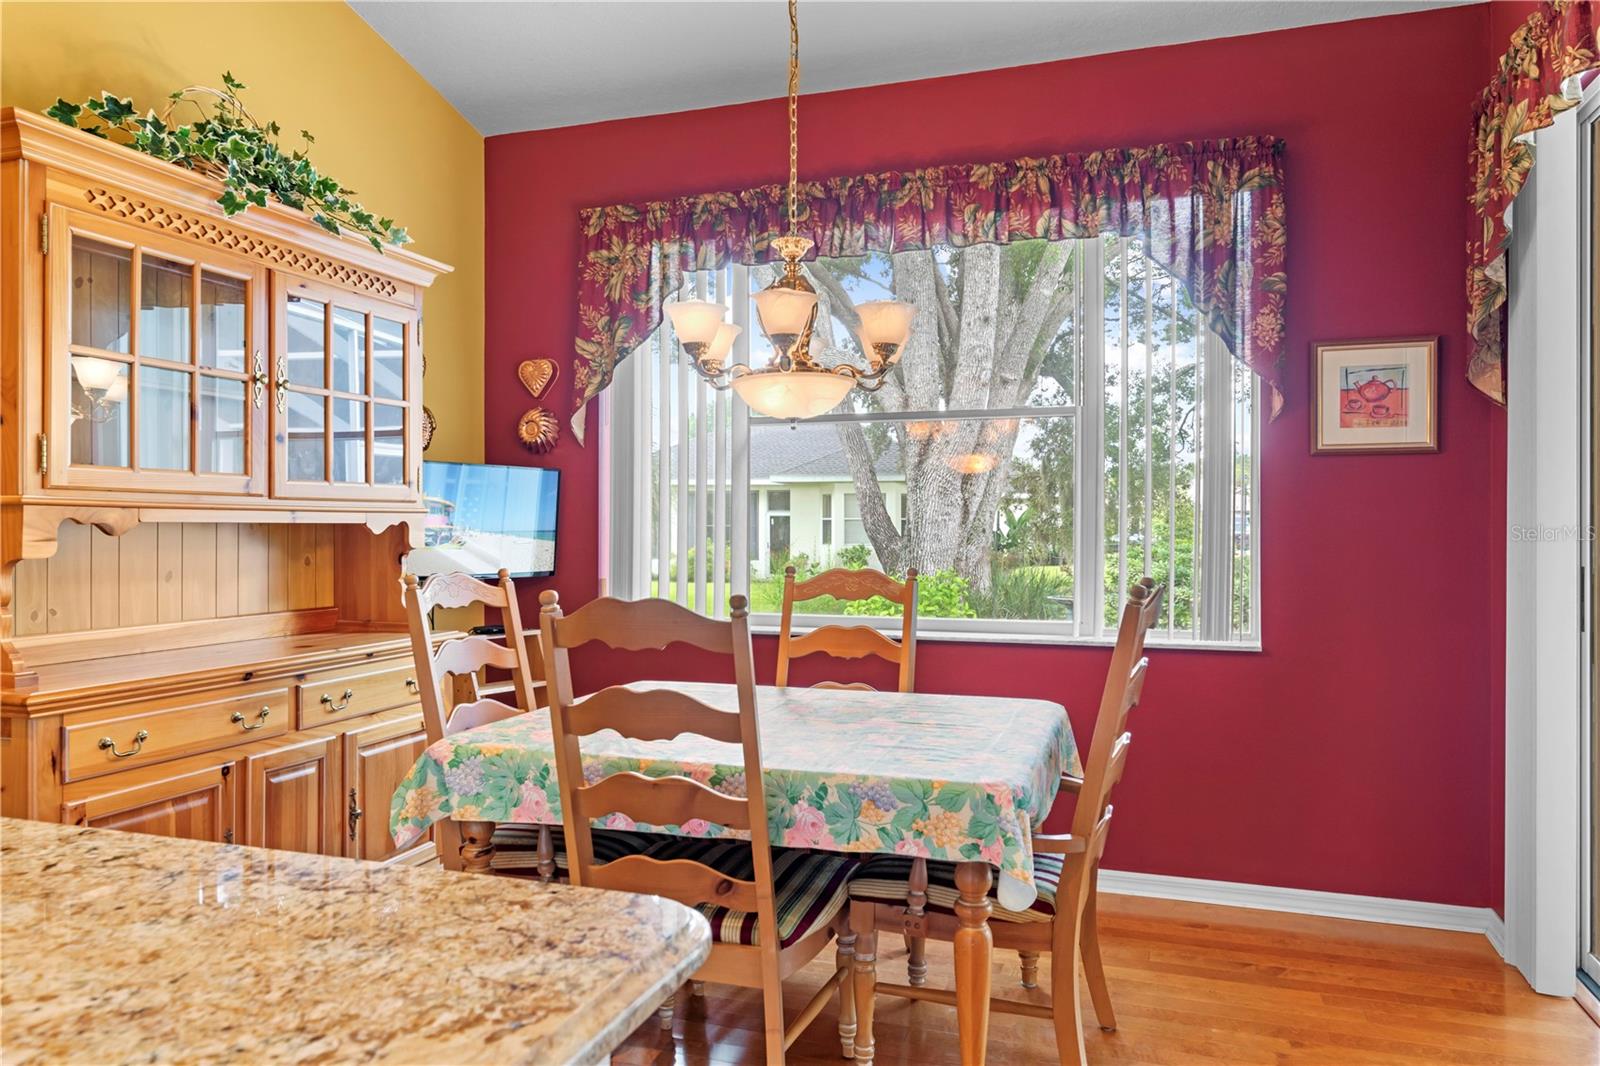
(1196, 984)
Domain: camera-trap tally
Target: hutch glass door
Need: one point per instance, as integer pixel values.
(157, 380)
(345, 377)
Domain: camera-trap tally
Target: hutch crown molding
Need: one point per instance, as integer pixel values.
(210, 471)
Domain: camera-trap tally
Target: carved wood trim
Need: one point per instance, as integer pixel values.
(158, 216)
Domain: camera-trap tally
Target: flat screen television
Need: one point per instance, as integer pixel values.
(482, 518)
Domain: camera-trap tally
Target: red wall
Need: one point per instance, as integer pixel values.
(1356, 753)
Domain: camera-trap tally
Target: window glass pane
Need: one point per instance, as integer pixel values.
(221, 425)
(987, 508)
(778, 500)
(388, 359)
(349, 350)
(306, 321)
(221, 321)
(166, 289)
(163, 419)
(307, 421)
(99, 411)
(388, 444)
(349, 440)
(102, 281)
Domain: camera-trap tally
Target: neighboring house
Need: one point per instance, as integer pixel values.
(802, 497)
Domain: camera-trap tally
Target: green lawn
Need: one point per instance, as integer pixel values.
(766, 597)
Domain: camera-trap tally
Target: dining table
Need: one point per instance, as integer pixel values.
(957, 778)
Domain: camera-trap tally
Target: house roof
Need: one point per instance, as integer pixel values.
(805, 451)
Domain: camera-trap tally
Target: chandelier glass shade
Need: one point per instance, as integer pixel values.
(794, 385)
(104, 382)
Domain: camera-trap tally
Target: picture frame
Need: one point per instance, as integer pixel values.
(1375, 396)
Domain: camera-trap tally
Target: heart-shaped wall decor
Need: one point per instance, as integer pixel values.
(536, 375)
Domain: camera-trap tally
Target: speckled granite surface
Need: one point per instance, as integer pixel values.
(122, 948)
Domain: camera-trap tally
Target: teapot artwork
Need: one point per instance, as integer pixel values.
(1372, 396)
(1375, 395)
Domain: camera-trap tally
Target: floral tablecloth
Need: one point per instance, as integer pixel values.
(960, 778)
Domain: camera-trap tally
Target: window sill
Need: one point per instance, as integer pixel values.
(770, 628)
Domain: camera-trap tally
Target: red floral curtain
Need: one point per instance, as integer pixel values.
(1211, 213)
(1557, 42)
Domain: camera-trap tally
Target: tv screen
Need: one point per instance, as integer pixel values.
(484, 518)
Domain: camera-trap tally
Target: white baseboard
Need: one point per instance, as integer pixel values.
(1307, 901)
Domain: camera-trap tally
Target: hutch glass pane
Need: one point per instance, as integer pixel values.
(349, 350)
(388, 359)
(349, 440)
(307, 418)
(305, 320)
(165, 288)
(388, 444)
(101, 283)
(99, 412)
(222, 322)
(163, 418)
(222, 425)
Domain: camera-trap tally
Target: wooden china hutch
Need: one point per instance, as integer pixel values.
(210, 463)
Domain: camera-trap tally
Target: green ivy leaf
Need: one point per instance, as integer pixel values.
(232, 83)
(231, 204)
(325, 222)
(238, 148)
(305, 135)
(114, 110)
(64, 111)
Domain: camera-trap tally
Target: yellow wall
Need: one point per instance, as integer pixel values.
(381, 130)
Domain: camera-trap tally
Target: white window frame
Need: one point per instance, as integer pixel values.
(630, 554)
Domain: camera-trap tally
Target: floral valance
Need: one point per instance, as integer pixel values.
(1557, 42)
(1211, 213)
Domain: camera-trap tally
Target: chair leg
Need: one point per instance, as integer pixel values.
(697, 989)
(664, 1012)
(1094, 970)
(545, 856)
(1065, 1010)
(863, 919)
(1030, 968)
(916, 905)
(917, 961)
(845, 960)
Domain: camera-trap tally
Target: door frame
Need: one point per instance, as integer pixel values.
(1589, 321)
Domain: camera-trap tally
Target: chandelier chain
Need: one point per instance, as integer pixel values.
(794, 110)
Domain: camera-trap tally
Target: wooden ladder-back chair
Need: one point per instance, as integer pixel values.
(770, 914)
(451, 702)
(850, 642)
(1063, 921)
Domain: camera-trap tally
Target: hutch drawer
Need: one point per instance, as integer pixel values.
(337, 695)
(118, 738)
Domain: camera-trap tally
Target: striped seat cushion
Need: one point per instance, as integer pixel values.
(810, 888)
(887, 879)
(516, 847)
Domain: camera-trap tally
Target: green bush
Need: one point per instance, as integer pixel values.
(854, 556)
(1025, 592)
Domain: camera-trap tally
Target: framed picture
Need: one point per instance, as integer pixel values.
(1375, 396)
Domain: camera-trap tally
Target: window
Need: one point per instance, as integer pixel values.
(1062, 422)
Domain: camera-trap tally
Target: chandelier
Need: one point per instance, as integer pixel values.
(793, 385)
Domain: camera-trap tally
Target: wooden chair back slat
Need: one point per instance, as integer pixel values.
(468, 655)
(659, 801)
(641, 625)
(459, 590)
(445, 677)
(665, 801)
(649, 714)
(844, 642)
(1124, 683)
(856, 641)
(680, 879)
(852, 686)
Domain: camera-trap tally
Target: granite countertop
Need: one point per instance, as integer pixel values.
(121, 948)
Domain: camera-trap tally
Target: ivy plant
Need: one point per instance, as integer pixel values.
(228, 144)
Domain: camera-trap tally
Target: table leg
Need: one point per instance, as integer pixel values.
(974, 949)
(477, 846)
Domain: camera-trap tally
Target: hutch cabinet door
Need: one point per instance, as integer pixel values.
(291, 795)
(156, 368)
(347, 374)
(377, 757)
(175, 800)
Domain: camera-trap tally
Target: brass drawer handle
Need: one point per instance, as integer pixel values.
(344, 702)
(411, 686)
(107, 744)
(261, 719)
(355, 814)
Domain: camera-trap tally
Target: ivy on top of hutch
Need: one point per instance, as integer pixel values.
(242, 153)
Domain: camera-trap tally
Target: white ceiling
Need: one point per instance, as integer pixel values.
(537, 65)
